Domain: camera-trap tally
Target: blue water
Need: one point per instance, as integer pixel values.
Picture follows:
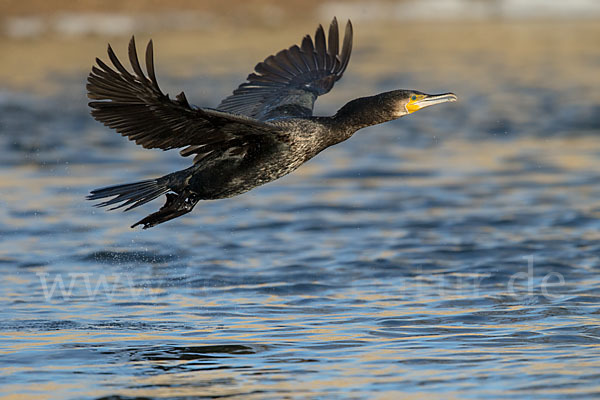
(450, 254)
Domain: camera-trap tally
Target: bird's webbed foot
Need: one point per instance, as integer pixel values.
(175, 206)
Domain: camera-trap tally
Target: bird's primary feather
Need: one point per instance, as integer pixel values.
(134, 105)
(289, 82)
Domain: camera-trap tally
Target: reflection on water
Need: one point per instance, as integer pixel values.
(453, 253)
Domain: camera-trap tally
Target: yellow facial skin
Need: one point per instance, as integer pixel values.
(411, 106)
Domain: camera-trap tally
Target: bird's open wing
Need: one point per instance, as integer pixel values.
(134, 105)
(288, 83)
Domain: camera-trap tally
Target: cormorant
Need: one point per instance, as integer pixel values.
(262, 132)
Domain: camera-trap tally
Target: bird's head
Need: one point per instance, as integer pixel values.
(383, 107)
(404, 102)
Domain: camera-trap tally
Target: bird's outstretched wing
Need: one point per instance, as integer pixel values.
(288, 83)
(134, 105)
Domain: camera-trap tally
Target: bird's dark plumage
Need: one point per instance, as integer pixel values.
(263, 131)
(289, 82)
(134, 106)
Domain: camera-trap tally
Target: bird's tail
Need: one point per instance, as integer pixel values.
(130, 195)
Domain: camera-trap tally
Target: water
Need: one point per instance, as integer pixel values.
(450, 254)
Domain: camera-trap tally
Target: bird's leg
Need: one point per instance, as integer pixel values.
(175, 206)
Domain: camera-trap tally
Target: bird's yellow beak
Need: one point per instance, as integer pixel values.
(419, 101)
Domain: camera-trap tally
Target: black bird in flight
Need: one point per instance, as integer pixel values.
(262, 132)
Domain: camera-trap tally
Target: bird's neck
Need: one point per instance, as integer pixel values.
(357, 114)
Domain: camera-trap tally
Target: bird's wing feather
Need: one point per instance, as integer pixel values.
(289, 82)
(134, 105)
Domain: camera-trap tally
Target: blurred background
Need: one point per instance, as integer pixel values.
(449, 254)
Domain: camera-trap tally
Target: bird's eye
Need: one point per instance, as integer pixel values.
(413, 98)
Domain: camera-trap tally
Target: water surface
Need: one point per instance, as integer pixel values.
(450, 254)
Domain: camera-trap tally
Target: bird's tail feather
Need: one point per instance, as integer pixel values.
(130, 195)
